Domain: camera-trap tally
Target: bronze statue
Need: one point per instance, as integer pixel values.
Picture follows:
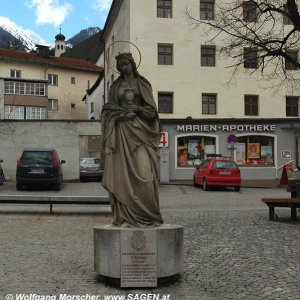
(131, 134)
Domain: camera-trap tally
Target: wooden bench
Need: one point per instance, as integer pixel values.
(293, 203)
(51, 200)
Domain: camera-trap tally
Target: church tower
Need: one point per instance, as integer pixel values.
(60, 44)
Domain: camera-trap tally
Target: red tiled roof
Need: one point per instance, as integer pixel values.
(51, 60)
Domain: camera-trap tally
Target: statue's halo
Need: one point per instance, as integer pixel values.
(120, 41)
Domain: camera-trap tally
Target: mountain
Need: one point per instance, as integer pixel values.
(13, 39)
(82, 35)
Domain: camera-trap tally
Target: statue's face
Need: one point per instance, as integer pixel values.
(125, 66)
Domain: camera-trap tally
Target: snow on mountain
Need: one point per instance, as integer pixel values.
(27, 37)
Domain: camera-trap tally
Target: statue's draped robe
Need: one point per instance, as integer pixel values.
(130, 153)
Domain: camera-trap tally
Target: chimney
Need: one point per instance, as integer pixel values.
(42, 50)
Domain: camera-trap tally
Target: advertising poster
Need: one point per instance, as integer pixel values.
(253, 150)
(267, 154)
(240, 153)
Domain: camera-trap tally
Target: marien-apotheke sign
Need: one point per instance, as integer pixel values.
(226, 128)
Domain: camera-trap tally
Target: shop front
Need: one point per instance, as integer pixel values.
(260, 147)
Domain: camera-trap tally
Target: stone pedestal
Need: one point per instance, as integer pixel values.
(138, 256)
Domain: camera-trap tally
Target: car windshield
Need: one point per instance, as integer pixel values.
(89, 161)
(224, 165)
(37, 155)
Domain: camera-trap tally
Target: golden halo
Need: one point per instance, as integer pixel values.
(120, 41)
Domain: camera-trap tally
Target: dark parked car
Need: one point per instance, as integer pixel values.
(2, 177)
(39, 167)
(218, 172)
(90, 168)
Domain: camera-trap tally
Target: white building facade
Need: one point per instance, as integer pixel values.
(197, 106)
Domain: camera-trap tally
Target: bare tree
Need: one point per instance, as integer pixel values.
(259, 35)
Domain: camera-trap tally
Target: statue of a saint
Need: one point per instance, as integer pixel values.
(131, 134)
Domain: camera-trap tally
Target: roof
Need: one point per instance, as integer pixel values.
(89, 50)
(64, 62)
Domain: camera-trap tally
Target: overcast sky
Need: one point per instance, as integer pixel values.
(41, 19)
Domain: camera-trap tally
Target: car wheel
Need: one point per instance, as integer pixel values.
(195, 183)
(2, 179)
(237, 188)
(57, 187)
(19, 186)
(205, 186)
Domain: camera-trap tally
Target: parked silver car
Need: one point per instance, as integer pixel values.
(90, 168)
(2, 177)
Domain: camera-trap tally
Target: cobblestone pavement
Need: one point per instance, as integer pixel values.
(231, 249)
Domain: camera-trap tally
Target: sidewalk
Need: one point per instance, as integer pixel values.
(263, 183)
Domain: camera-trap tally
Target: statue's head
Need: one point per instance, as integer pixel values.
(126, 56)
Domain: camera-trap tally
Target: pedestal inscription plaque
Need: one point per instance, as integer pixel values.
(138, 258)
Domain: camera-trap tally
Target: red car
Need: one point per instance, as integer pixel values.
(218, 172)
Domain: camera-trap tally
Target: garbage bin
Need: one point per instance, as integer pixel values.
(293, 185)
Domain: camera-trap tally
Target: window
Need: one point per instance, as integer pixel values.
(292, 106)
(251, 105)
(286, 19)
(165, 54)
(24, 88)
(35, 113)
(52, 104)
(52, 79)
(294, 56)
(15, 73)
(255, 151)
(14, 112)
(92, 107)
(208, 56)
(209, 103)
(249, 11)
(72, 80)
(164, 8)
(165, 102)
(73, 106)
(192, 149)
(207, 10)
(250, 58)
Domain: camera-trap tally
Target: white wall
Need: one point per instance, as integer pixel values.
(186, 77)
(64, 136)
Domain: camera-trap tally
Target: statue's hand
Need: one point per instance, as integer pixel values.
(132, 108)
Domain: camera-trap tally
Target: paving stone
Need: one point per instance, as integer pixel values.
(231, 249)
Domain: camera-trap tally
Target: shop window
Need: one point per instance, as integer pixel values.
(255, 151)
(192, 149)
